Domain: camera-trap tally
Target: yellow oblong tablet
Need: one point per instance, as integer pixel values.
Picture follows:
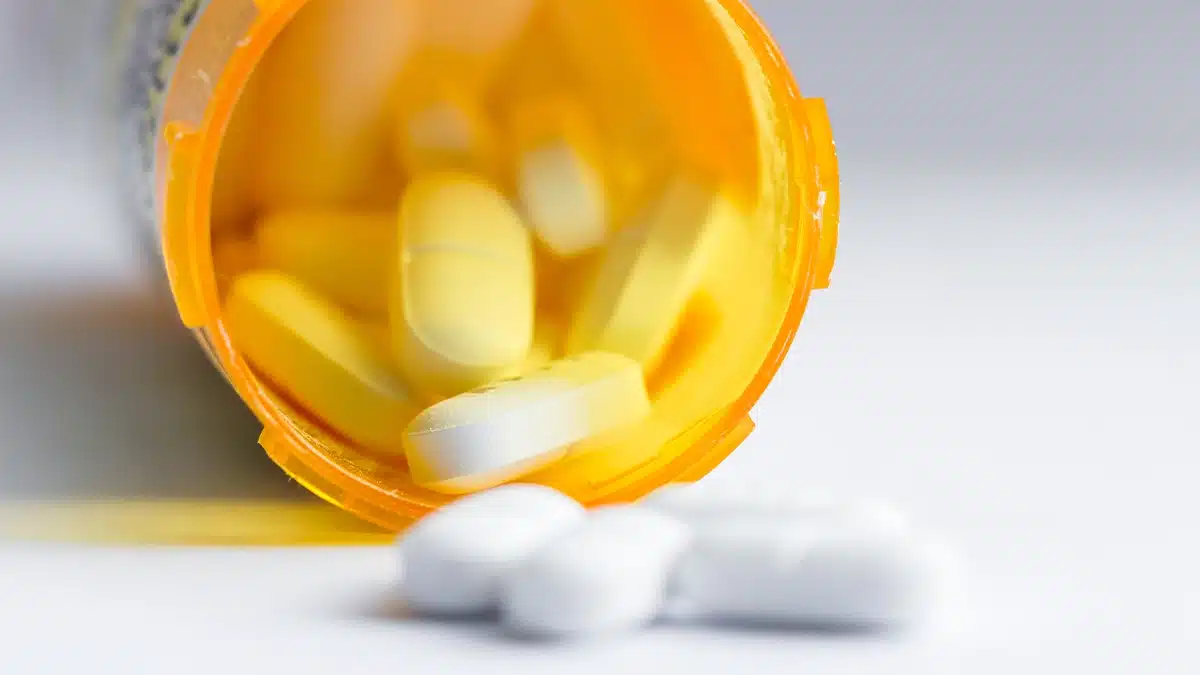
(650, 271)
(462, 309)
(345, 255)
(315, 352)
(513, 427)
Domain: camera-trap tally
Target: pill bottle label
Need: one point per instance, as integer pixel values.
(147, 36)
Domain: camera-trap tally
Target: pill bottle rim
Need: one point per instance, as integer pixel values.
(186, 156)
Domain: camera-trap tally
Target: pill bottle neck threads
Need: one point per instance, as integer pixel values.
(789, 187)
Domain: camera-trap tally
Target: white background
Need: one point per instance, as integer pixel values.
(1008, 351)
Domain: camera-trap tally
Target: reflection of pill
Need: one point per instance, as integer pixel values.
(313, 350)
(462, 309)
(609, 573)
(446, 132)
(511, 428)
(454, 560)
(649, 273)
(560, 176)
(347, 256)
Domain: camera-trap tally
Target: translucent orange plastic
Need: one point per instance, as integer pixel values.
(772, 145)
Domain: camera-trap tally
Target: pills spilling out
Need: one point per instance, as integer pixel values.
(548, 569)
(456, 560)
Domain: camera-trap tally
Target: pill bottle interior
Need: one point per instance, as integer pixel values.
(292, 130)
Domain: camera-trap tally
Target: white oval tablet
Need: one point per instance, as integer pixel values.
(609, 573)
(564, 197)
(513, 427)
(455, 558)
(830, 575)
(560, 175)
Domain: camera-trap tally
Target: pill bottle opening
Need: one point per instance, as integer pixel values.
(596, 121)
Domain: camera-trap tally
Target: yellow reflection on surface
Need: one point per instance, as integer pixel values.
(188, 523)
(118, 431)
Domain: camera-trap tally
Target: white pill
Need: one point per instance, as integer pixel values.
(511, 428)
(454, 559)
(830, 574)
(707, 501)
(564, 198)
(608, 574)
(560, 175)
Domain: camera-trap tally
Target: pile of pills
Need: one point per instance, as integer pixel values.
(548, 568)
(504, 301)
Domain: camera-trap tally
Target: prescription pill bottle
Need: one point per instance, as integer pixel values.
(731, 109)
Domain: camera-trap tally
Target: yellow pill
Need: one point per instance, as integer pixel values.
(726, 309)
(560, 176)
(514, 427)
(462, 307)
(698, 327)
(317, 355)
(447, 131)
(649, 273)
(347, 256)
(717, 347)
